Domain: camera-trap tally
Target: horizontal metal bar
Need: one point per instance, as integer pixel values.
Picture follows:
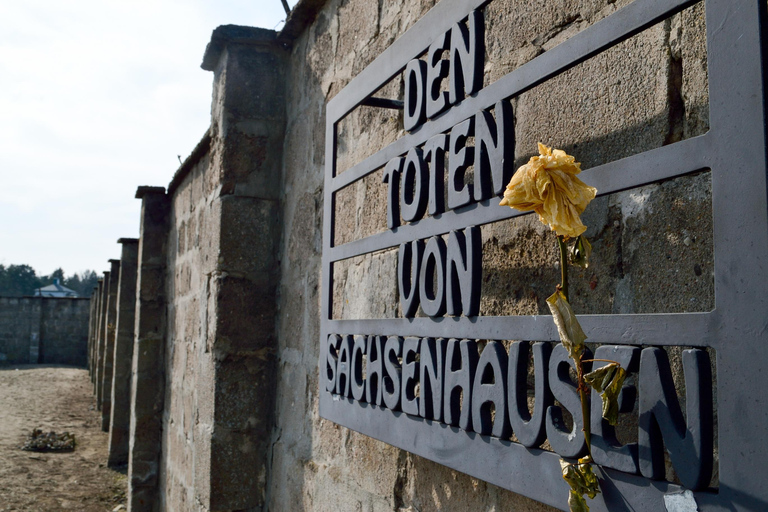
(500, 462)
(383, 103)
(663, 329)
(607, 32)
(655, 165)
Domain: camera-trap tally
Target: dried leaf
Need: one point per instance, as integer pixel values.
(611, 397)
(577, 503)
(591, 484)
(581, 250)
(608, 381)
(600, 378)
(570, 475)
(568, 327)
(582, 480)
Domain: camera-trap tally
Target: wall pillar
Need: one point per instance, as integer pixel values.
(119, 423)
(109, 344)
(248, 119)
(34, 335)
(101, 340)
(95, 339)
(148, 379)
(91, 324)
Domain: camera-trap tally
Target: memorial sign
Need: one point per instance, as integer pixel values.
(443, 385)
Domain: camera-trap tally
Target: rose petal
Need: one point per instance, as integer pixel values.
(548, 185)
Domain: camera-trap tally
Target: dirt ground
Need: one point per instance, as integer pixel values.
(60, 399)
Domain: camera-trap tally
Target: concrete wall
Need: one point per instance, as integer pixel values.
(44, 330)
(652, 246)
(224, 395)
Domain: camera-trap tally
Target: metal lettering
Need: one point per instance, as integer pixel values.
(332, 361)
(494, 151)
(392, 178)
(467, 52)
(434, 155)
(374, 371)
(409, 402)
(459, 375)
(392, 379)
(463, 272)
(567, 443)
(413, 188)
(432, 278)
(431, 360)
(356, 368)
(529, 428)
(447, 381)
(414, 107)
(459, 159)
(408, 270)
(489, 388)
(661, 421)
(343, 368)
(437, 70)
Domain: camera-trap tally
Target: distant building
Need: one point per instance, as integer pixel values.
(55, 290)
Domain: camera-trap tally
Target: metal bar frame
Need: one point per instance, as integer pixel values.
(734, 150)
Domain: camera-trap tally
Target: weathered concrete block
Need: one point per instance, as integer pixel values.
(249, 235)
(109, 345)
(367, 287)
(102, 341)
(248, 108)
(147, 367)
(123, 354)
(238, 476)
(95, 336)
(246, 316)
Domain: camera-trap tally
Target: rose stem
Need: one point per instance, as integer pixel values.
(563, 266)
(579, 366)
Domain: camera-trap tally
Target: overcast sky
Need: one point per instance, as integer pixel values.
(98, 97)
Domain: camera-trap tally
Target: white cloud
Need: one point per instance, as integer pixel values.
(97, 98)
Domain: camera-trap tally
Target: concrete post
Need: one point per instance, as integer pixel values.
(120, 419)
(95, 340)
(91, 308)
(248, 119)
(34, 335)
(147, 367)
(109, 345)
(102, 338)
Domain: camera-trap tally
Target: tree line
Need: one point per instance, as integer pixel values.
(22, 280)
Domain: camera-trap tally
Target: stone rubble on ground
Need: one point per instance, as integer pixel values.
(39, 441)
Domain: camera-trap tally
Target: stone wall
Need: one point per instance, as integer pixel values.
(224, 389)
(40, 330)
(652, 245)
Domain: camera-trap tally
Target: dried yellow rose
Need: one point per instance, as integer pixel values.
(548, 185)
